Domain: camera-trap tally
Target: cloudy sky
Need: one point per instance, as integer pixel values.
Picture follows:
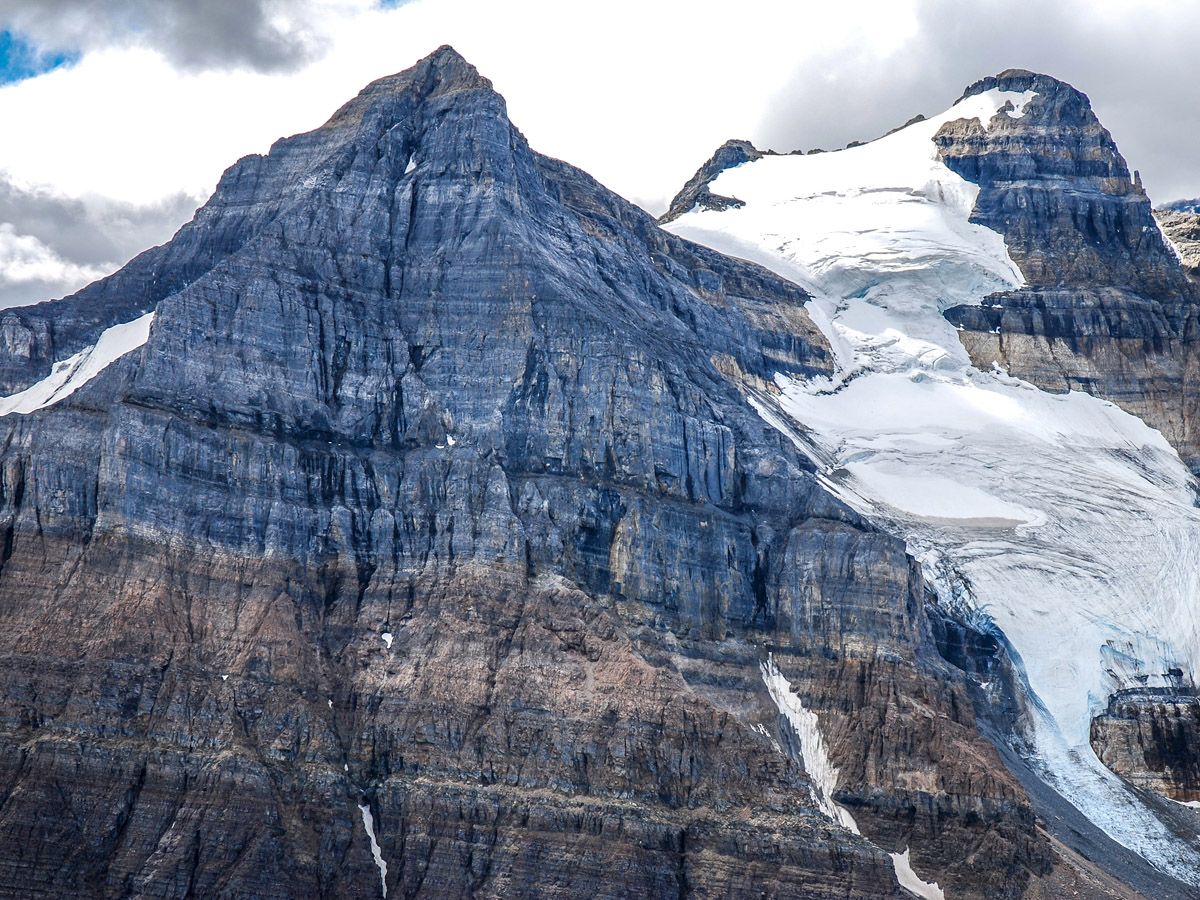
(119, 115)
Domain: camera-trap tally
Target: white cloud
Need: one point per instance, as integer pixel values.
(636, 93)
(267, 35)
(30, 270)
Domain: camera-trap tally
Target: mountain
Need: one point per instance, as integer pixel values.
(406, 526)
(1015, 344)
(425, 520)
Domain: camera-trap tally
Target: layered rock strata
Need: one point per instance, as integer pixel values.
(433, 504)
(1107, 308)
(1150, 737)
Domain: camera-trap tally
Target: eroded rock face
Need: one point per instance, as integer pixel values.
(434, 492)
(1183, 230)
(1108, 309)
(697, 193)
(1152, 738)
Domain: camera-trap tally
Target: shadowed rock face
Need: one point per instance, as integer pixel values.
(434, 491)
(1150, 737)
(1108, 309)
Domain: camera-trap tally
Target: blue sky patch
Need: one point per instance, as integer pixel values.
(20, 60)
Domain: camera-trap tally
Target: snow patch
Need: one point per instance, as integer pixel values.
(69, 375)
(910, 881)
(412, 165)
(938, 498)
(838, 221)
(369, 824)
(823, 774)
(387, 639)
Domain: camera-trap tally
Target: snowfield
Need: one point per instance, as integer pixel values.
(1067, 522)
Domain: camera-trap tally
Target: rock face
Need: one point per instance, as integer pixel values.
(1183, 230)
(433, 503)
(1150, 737)
(1107, 308)
(696, 192)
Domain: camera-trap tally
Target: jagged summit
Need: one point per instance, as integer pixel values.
(443, 72)
(438, 102)
(1020, 80)
(696, 192)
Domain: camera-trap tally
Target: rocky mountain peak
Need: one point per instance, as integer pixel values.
(442, 73)
(1021, 80)
(696, 192)
(1054, 184)
(1101, 278)
(440, 114)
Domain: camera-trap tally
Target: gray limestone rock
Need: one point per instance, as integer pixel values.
(1152, 738)
(1108, 308)
(436, 491)
(1183, 231)
(696, 192)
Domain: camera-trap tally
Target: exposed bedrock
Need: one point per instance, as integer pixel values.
(1152, 738)
(697, 193)
(1108, 308)
(1183, 231)
(434, 491)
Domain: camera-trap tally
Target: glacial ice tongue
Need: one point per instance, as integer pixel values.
(1072, 522)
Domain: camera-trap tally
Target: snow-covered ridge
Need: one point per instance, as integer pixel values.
(70, 374)
(1071, 522)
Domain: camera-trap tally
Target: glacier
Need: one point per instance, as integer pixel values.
(1068, 523)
